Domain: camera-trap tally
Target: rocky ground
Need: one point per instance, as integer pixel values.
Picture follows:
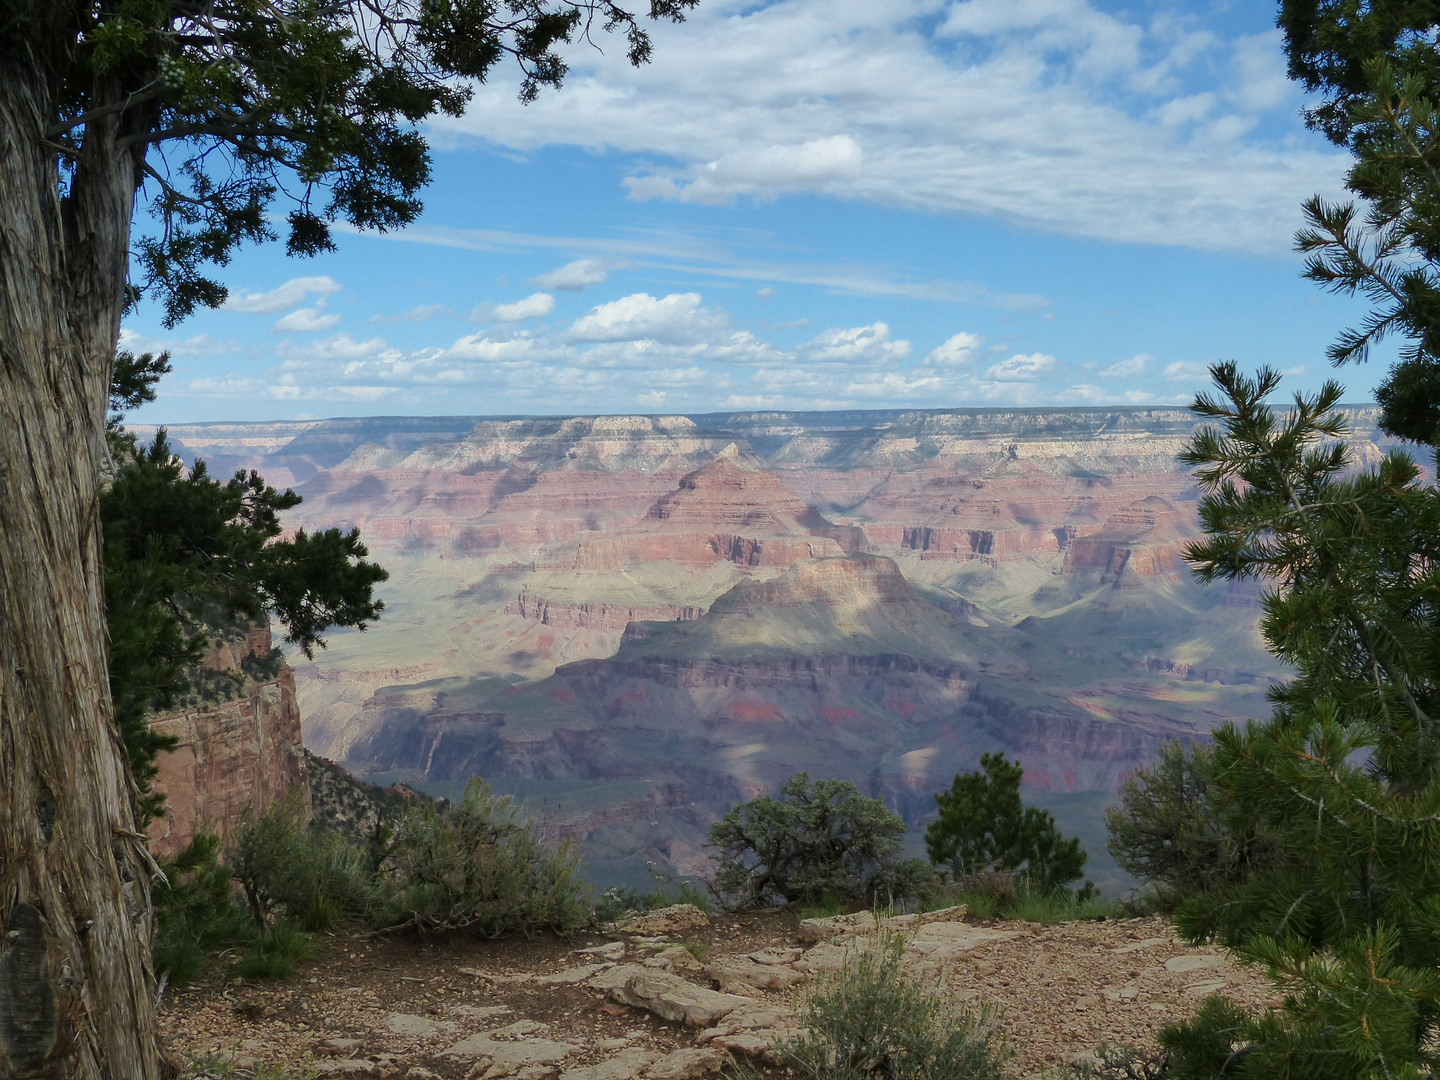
(673, 995)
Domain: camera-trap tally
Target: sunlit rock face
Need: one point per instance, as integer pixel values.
(639, 620)
(234, 758)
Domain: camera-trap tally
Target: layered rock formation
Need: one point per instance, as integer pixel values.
(686, 603)
(233, 758)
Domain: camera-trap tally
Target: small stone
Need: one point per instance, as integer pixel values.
(344, 1067)
(1086, 1001)
(419, 1072)
(1137, 946)
(776, 955)
(334, 1047)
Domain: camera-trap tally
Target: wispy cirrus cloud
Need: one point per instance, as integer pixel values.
(1075, 120)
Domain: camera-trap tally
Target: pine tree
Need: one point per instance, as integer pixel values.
(984, 827)
(1345, 776)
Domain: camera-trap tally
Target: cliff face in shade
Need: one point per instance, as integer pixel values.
(597, 609)
(233, 758)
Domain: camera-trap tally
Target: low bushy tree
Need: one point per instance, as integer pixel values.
(984, 827)
(819, 841)
(1169, 831)
(480, 866)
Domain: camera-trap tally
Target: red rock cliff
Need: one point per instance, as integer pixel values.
(233, 757)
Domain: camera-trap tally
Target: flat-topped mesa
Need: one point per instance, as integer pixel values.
(1146, 539)
(858, 581)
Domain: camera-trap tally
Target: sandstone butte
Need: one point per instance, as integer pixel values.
(637, 621)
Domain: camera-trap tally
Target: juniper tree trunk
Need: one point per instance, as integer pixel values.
(76, 982)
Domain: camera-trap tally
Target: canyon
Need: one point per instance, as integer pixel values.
(632, 622)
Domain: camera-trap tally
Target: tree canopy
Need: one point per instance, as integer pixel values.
(1376, 65)
(189, 558)
(228, 108)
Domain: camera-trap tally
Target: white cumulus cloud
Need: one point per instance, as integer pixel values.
(535, 306)
(574, 276)
(858, 345)
(677, 319)
(293, 292)
(957, 350)
(306, 320)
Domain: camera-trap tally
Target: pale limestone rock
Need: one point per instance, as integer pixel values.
(419, 1072)
(330, 1047)
(675, 958)
(944, 940)
(484, 1043)
(669, 920)
(688, 1064)
(611, 950)
(827, 956)
(625, 1065)
(673, 998)
(1205, 988)
(417, 1026)
(616, 976)
(1193, 962)
(499, 1059)
(731, 973)
(570, 976)
(813, 930)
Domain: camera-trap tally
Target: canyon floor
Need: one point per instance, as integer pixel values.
(593, 1006)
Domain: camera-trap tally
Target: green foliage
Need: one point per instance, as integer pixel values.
(984, 827)
(274, 951)
(870, 1022)
(820, 841)
(1168, 831)
(481, 867)
(195, 910)
(188, 558)
(231, 109)
(1329, 43)
(1345, 777)
(1381, 75)
(313, 876)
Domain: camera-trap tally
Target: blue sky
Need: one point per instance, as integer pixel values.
(818, 204)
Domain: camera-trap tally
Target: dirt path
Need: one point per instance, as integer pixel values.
(582, 1009)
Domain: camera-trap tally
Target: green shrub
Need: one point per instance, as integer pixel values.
(314, 876)
(868, 1021)
(1169, 831)
(274, 951)
(819, 842)
(985, 828)
(195, 910)
(482, 867)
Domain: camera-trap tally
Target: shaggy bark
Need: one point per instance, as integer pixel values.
(76, 983)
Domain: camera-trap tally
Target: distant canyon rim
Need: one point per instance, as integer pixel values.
(634, 622)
